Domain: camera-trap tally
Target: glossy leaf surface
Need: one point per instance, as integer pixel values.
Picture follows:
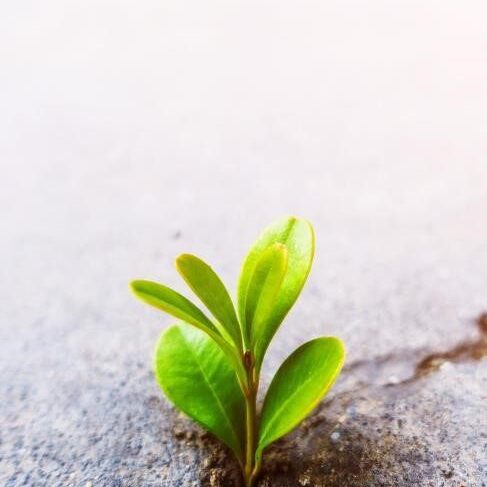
(299, 384)
(168, 300)
(263, 289)
(205, 283)
(297, 236)
(195, 375)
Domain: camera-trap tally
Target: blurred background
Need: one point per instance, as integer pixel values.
(134, 131)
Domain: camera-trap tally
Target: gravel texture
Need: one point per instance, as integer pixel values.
(131, 132)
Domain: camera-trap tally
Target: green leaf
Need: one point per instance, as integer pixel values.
(204, 282)
(196, 376)
(297, 236)
(263, 289)
(298, 386)
(165, 299)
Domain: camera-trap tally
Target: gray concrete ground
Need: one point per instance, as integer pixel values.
(130, 132)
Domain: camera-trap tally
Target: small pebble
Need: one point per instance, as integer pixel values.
(335, 436)
(393, 380)
(351, 411)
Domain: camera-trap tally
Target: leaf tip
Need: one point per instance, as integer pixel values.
(181, 260)
(135, 285)
(337, 344)
(291, 218)
(340, 346)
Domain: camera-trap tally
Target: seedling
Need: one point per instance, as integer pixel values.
(210, 367)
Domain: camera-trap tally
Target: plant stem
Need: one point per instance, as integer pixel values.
(255, 472)
(250, 471)
(250, 436)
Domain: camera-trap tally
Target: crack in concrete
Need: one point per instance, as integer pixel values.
(410, 369)
(467, 351)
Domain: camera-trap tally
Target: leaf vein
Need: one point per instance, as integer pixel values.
(213, 392)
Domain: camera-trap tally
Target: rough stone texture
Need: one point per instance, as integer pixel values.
(132, 131)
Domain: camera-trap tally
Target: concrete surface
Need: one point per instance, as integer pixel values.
(130, 132)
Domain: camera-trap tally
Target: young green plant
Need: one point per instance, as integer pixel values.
(210, 367)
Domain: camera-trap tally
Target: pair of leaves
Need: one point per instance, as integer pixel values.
(197, 378)
(205, 283)
(273, 275)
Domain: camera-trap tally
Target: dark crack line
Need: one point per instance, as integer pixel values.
(466, 351)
